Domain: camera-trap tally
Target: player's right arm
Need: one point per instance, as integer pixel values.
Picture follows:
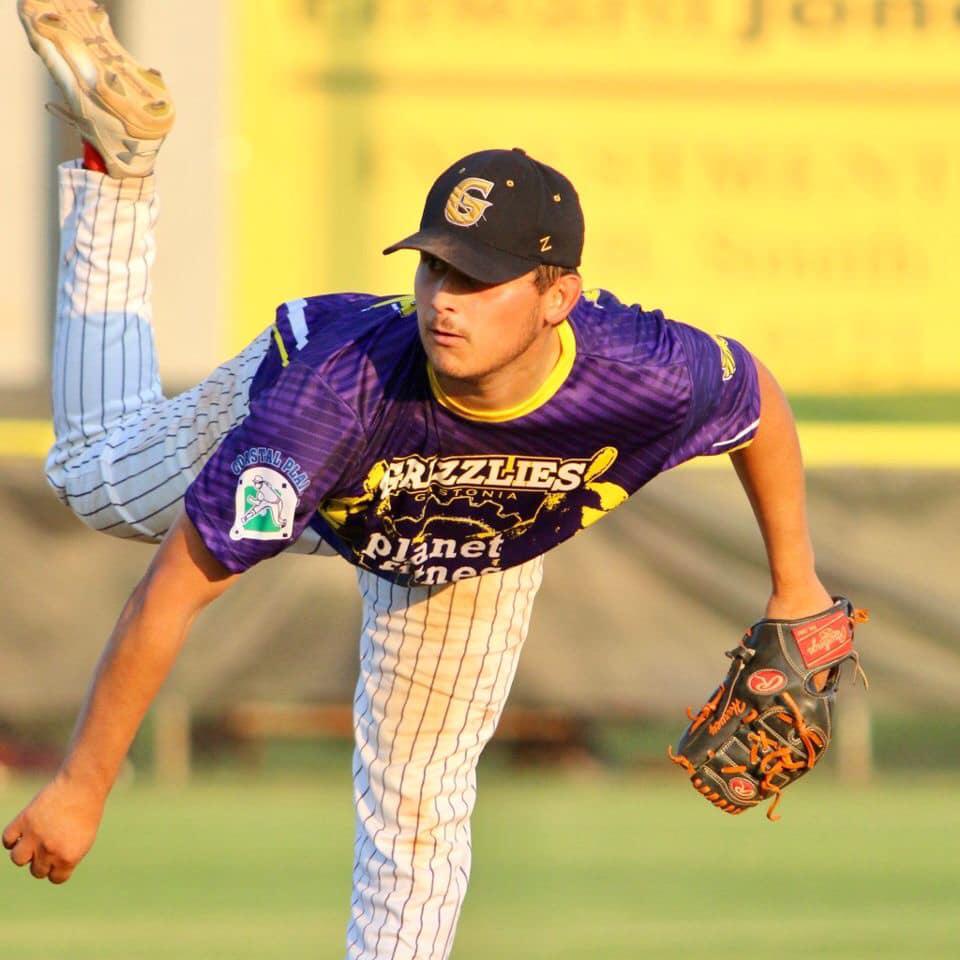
(299, 432)
(57, 828)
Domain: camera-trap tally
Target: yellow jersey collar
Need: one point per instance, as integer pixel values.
(560, 372)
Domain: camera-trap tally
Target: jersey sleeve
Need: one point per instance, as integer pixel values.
(724, 410)
(257, 492)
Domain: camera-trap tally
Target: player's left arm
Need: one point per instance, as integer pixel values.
(770, 469)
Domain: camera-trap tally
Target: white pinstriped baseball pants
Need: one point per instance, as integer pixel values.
(436, 663)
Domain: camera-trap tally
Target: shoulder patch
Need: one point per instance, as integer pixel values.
(265, 502)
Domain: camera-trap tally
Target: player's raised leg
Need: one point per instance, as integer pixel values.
(104, 364)
(436, 665)
(124, 454)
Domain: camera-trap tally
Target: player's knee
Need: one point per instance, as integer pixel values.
(54, 472)
(79, 478)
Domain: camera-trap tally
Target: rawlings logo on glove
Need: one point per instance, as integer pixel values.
(769, 722)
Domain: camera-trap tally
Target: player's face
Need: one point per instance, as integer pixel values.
(471, 330)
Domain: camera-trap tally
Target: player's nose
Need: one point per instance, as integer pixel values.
(443, 295)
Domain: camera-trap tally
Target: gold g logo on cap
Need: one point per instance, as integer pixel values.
(464, 208)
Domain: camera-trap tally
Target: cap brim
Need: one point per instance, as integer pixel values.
(474, 259)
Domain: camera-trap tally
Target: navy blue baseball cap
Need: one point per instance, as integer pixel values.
(498, 214)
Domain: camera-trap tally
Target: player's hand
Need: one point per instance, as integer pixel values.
(55, 830)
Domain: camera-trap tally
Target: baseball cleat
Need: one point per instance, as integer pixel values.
(121, 108)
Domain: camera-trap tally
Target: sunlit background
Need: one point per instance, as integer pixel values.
(786, 172)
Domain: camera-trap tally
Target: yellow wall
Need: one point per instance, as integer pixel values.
(787, 172)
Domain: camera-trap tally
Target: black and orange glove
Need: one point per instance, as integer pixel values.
(769, 722)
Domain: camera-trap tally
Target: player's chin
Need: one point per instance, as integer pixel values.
(450, 361)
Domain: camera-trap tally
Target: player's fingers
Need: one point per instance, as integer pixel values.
(22, 852)
(59, 874)
(40, 866)
(12, 833)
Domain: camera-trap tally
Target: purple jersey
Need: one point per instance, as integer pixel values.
(350, 433)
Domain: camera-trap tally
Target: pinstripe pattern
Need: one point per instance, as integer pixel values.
(436, 666)
(124, 454)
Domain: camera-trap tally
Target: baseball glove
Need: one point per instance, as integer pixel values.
(768, 723)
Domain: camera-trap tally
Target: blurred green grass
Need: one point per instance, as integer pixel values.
(566, 865)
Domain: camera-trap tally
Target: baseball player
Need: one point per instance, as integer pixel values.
(440, 443)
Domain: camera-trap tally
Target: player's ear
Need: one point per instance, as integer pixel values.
(561, 296)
